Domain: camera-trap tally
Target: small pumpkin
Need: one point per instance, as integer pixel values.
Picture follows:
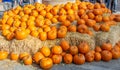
(67, 58)
(73, 50)
(80, 21)
(3, 55)
(105, 27)
(43, 36)
(97, 56)
(72, 28)
(37, 57)
(46, 63)
(82, 28)
(79, 59)
(96, 27)
(52, 34)
(90, 22)
(66, 23)
(89, 56)
(83, 47)
(61, 33)
(56, 49)
(14, 56)
(23, 54)
(27, 60)
(65, 45)
(115, 53)
(98, 49)
(106, 55)
(45, 51)
(57, 59)
(106, 46)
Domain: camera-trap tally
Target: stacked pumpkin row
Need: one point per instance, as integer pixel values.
(36, 20)
(80, 54)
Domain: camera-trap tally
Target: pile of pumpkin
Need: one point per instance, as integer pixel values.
(66, 53)
(38, 20)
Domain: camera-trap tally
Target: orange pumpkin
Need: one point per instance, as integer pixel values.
(96, 27)
(106, 55)
(91, 15)
(105, 18)
(68, 58)
(115, 53)
(90, 22)
(62, 18)
(97, 6)
(89, 56)
(106, 46)
(56, 49)
(73, 50)
(37, 57)
(3, 55)
(97, 11)
(57, 59)
(63, 28)
(65, 45)
(79, 59)
(98, 18)
(43, 36)
(66, 23)
(46, 63)
(22, 55)
(10, 36)
(82, 28)
(97, 56)
(105, 27)
(72, 28)
(52, 34)
(80, 21)
(20, 34)
(98, 49)
(83, 47)
(71, 18)
(45, 51)
(14, 56)
(61, 33)
(27, 60)
(80, 12)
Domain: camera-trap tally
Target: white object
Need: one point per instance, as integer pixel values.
(55, 2)
(39, 1)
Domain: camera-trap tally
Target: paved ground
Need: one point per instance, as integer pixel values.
(112, 65)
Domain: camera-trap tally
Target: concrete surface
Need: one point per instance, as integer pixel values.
(111, 65)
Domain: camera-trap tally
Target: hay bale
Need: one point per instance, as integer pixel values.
(113, 36)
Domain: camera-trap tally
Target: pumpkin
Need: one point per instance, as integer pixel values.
(97, 56)
(14, 56)
(83, 47)
(63, 28)
(47, 22)
(27, 60)
(61, 33)
(71, 18)
(62, 18)
(56, 49)
(91, 15)
(65, 45)
(82, 28)
(105, 27)
(112, 17)
(80, 12)
(105, 18)
(43, 12)
(90, 32)
(37, 57)
(46, 29)
(98, 49)
(89, 56)
(115, 53)
(62, 11)
(67, 58)
(90, 22)
(97, 6)
(117, 19)
(84, 16)
(43, 36)
(46, 63)
(72, 28)
(3, 55)
(22, 55)
(96, 27)
(49, 15)
(57, 59)
(52, 34)
(10, 36)
(97, 11)
(66, 23)
(73, 50)
(98, 18)
(45, 51)
(70, 12)
(106, 46)
(106, 55)
(20, 34)
(80, 21)
(90, 6)
(79, 59)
